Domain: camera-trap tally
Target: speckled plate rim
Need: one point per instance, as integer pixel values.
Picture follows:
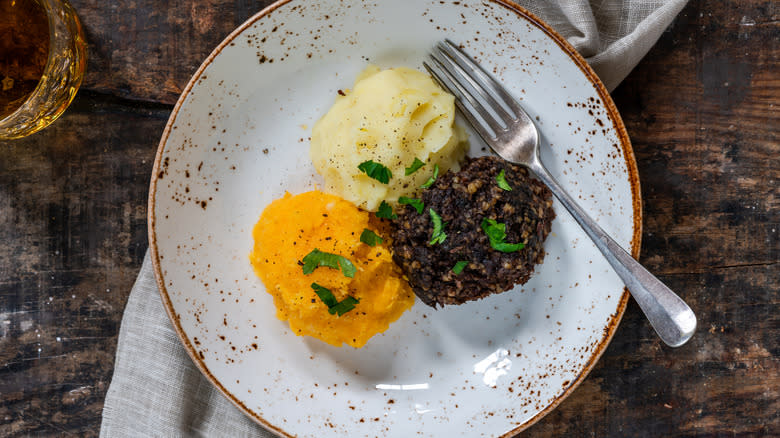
(612, 112)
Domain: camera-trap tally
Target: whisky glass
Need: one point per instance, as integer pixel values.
(61, 76)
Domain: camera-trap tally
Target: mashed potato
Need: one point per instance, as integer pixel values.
(289, 229)
(391, 117)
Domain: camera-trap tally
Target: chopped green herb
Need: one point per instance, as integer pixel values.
(344, 306)
(416, 203)
(370, 238)
(414, 167)
(317, 258)
(501, 180)
(458, 268)
(376, 171)
(327, 297)
(438, 235)
(508, 247)
(432, 179)
(496, 233)
(385, 211)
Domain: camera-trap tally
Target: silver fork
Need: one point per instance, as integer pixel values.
(506, 128)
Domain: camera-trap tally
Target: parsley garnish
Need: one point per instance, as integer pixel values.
(376, 171)
(431, 179)
(416, 203)
(458, 268)
(496, 233)
(501, 180)
(327, 297)
(344, 306)
(370, 238)
(385, 211)
(317, 258)
(438, 235)
(414, 167)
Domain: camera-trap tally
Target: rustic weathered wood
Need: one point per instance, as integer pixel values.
(73, 223)
(702, 112)
(149, 49)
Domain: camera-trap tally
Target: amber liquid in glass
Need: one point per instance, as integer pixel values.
(24, 47)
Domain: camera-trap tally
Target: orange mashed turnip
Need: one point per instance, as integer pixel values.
(289, 229)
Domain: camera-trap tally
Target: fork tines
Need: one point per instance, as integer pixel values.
(489, 108)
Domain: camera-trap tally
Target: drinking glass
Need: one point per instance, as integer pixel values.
(40, 71)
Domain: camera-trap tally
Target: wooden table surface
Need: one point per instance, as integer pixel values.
(702, 110)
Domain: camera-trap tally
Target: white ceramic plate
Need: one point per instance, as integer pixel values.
(238, 138)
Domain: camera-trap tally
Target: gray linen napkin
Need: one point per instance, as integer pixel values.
(157, 390)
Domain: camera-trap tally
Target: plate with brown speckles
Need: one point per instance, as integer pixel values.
(238, 139)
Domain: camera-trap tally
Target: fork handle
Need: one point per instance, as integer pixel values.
(671, 318)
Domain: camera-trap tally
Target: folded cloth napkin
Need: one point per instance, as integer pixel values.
(157, 390)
